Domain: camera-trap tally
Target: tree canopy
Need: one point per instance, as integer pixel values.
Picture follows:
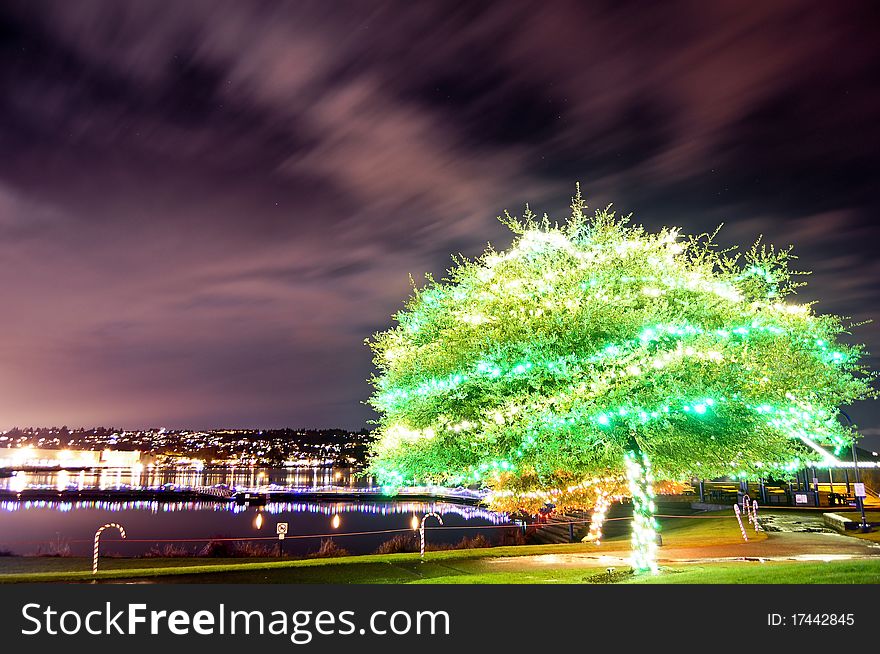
(535, 370)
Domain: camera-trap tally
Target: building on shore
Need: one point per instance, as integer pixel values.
(34, 457)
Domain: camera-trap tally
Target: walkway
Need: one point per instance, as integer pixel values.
(790, 537)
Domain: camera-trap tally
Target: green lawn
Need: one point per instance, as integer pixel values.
(469, 567)
(17, 569)
(833, 572)
(701, 529)
(836, 572)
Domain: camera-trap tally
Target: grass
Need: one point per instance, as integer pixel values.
(33, 564)
(834, 572)
(16, 569)
(473, 567)
(703, 529)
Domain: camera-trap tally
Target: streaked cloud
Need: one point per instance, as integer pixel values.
(206, 206)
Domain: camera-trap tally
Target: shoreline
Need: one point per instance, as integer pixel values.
(252, 498)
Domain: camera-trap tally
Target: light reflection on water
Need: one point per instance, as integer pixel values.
(150, 477)
(272, 508)
(38, 526)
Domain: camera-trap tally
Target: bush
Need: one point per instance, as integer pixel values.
(440, 547)
(58, 547)
(398, 545)
(329, 549)
(236, 549)
(168, 551)
(513, 536)
(251, 549)
(471, 543)
(610, 576)
(217, 549)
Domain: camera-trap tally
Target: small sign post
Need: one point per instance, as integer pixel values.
(281, 530)
(859, 490)
(800, 498)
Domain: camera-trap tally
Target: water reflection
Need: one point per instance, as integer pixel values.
(272, 508)
(139, 477)
(67, 526)
(47, 527)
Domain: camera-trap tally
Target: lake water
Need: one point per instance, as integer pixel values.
(47, 527)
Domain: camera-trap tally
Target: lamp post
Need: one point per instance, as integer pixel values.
(859, 501)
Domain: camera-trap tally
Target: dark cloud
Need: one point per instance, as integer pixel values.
(206, 206)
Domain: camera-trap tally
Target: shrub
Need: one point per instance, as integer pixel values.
(439, 547)
(168, 551)
(399, 544)
(250, 549)
(236, 549)
(471, 543)
(58, 547)
(329, 549)
(513, 536)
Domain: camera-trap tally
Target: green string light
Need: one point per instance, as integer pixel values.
(549, 360)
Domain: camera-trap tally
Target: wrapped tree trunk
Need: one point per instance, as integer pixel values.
(644, 526)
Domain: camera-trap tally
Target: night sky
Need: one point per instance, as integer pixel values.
(206, 207)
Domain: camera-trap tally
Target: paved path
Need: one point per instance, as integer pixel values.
(795, 537)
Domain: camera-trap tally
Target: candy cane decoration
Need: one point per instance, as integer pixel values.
(752, 512)
(747, 507)
(750, 507)
(97, 538)
(739, 520)
(422, 531)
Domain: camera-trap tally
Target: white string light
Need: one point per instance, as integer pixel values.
(644, 526)
(597, 519)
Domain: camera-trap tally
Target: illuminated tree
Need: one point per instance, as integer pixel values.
(594, 356)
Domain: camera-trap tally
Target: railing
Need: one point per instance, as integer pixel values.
(223, 493)
(434, 491)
